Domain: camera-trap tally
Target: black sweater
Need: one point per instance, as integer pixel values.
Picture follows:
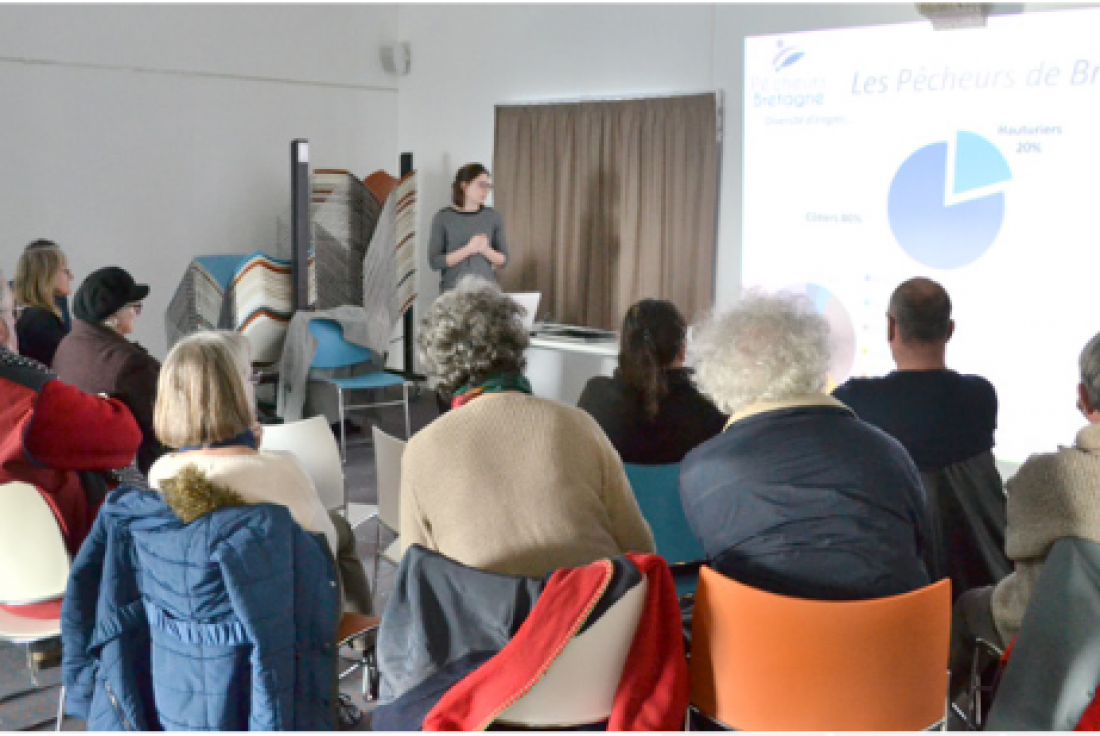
(685, 418)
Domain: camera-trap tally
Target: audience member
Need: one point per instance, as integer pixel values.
(56, 437)
(946, 422)
(61, 301)
(797, 496)
(650, 409)
(96, 356)
(507, 482)
(206, 410)
(940, 416)
(1053, 495)
(42, 276)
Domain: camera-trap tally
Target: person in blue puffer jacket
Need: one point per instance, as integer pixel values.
(190, 610)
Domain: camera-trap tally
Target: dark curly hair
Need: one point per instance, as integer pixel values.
(471, 333)
(652, 337)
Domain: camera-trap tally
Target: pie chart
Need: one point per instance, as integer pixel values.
(946, 202)
(842, 335)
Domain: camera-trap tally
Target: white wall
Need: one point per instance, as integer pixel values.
(142, 136)
(468, 58)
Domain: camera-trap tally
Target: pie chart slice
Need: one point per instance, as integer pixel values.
(842, 334)
(932, 232)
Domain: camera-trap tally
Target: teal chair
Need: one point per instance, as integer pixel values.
(657, 489)
(333, 351)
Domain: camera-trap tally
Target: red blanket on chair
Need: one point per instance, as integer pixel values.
(653, 692)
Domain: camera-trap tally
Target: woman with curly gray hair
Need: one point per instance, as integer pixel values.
(797, 496)
(508, 482)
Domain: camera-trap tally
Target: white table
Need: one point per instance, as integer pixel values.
(559, 369)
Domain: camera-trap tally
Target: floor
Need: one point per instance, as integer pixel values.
(37, 710)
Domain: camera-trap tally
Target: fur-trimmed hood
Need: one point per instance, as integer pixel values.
(190, 494)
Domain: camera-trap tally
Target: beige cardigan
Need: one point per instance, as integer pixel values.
(518, 485)
(1052, 496)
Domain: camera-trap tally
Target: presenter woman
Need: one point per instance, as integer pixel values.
(467, 237)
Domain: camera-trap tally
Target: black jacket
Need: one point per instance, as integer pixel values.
(685, 418)
(810, 502)
(40, 332)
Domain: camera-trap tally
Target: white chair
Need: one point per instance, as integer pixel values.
(388, 451)
(34, 569)
(579, 688)
(311, 441)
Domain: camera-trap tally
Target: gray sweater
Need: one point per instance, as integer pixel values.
(451, 230)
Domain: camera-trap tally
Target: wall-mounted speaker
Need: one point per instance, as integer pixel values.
(396, 58)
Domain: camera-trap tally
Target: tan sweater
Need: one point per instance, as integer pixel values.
(1052, 496)
(518, 485)
(266, 477)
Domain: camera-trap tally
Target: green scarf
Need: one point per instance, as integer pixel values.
(491, 385)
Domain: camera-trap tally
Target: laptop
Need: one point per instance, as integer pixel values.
(529, 300)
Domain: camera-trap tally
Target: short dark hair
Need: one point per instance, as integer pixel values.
(921, 310)
(652, 338)
(465, 175)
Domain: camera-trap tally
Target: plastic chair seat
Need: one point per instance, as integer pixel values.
(367, 381)
(762, 661)
(20, 630)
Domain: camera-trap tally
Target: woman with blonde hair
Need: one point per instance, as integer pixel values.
(42, 278)
(205, 410)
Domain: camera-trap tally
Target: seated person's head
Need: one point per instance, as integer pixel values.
(471, 333)
(920, 312)
(1089, 390)
(204, 394)
(652, 341)
(7, 317)
(42, 275)
(766, 348)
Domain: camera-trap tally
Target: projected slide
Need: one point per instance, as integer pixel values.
(873, 155)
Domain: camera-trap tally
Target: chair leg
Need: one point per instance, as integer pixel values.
(343, 433)
(377, 554)
(408, 427)
(60, 709)
(32, 665)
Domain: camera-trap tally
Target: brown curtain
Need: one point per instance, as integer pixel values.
(606, 203)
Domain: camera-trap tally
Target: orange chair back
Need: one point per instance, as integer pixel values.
(762, 662)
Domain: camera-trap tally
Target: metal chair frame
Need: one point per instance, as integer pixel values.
(343, 354)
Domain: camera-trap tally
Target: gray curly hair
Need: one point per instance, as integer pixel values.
(1090, 370)
(766, 348)
(471, 333)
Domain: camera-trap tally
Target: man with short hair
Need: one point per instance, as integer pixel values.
(940, 416)
(946, 421)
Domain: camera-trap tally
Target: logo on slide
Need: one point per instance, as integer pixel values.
(787, 55)
(947, 202)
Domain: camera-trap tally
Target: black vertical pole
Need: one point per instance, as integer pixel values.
(299, 221)
(406, 169)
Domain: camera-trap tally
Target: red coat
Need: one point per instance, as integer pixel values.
(653, 692)
(51, 433)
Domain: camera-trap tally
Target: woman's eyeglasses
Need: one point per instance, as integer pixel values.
(136, 306)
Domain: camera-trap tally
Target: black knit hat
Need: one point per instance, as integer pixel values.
(105, 292)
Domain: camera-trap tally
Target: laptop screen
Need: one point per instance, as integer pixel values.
(529, 300)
